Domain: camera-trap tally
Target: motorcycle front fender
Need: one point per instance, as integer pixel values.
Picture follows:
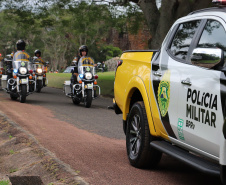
(22, 81)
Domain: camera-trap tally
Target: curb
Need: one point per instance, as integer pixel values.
(64, 166)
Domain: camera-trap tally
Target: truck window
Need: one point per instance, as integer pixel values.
(182, 39)
(213, 36)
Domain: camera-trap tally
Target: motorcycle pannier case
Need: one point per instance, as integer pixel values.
(4, 81)
(67, 88)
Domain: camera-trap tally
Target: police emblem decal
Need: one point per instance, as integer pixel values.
(22, 63)
(164, 94)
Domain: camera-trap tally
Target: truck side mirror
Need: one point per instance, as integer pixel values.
(207, 57)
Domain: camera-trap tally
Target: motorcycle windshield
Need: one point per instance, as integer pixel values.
(36, 66)
(86, 64)
(84, 69)
(21, 59)
(17, 64)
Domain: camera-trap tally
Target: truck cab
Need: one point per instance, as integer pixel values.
(173, 100)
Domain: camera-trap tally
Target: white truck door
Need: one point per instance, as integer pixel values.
(200, 92)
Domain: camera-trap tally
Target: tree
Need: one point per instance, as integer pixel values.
(108, 52)
(160, 20)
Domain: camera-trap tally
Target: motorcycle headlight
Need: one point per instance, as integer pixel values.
(23, 70)
(15, 71)
(88, 76)
(39, 70)
(81, 76)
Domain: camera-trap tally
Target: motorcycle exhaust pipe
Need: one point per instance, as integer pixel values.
(11, 81)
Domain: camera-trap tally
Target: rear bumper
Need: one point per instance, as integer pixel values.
(116, 108)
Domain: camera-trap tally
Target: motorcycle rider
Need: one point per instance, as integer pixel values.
(38, 58)
(21, 54)
(83, 51)
(38, 55)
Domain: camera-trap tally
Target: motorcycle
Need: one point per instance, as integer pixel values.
(1, 66)
(85, 89)
(39, 74)
(19, 81)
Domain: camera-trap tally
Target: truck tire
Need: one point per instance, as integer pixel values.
(223, 174)
(23, 94)
(138, 139)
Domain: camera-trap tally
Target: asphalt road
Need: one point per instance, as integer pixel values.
(92, 140)
(97, 119)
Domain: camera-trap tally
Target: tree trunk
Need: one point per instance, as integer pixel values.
(160, 21)
(151, 14)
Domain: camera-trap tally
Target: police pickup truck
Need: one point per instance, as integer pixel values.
(173, 100)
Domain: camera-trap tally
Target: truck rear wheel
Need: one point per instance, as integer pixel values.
(138, 138)
(223, 174)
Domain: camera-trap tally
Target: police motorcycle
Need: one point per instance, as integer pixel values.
(1, 66)
(18, 82)
(39, 74)
(85, 89)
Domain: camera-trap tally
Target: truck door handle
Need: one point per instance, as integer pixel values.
(186, 82)
(157, 73)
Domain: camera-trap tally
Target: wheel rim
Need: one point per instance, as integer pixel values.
(135, 135)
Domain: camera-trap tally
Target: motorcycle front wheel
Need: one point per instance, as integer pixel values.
(13, 96)
(88, 100)
(23, 94)
(75, 101)
(39, 86)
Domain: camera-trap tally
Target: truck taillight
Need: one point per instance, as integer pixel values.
(119, 63)
(219, 2)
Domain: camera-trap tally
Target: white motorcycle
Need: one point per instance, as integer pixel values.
(85, 89)
(19, 83)
(39, 74)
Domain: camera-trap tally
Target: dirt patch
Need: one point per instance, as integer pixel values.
(22, 155)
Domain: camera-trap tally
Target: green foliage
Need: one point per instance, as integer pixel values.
(13, 170)
(105, 81)
(10, 137)
(57, 79)
(11, 152)
(60, 28)
(108, 52)
(4, 182)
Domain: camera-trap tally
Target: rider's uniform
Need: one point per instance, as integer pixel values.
(40, 60)
(21, 55)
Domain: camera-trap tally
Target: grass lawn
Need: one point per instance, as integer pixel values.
(105, 81)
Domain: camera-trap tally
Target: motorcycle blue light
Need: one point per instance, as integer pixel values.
(81, 76)
(15, 71)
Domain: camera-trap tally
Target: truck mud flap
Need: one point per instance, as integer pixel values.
(184, 156)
